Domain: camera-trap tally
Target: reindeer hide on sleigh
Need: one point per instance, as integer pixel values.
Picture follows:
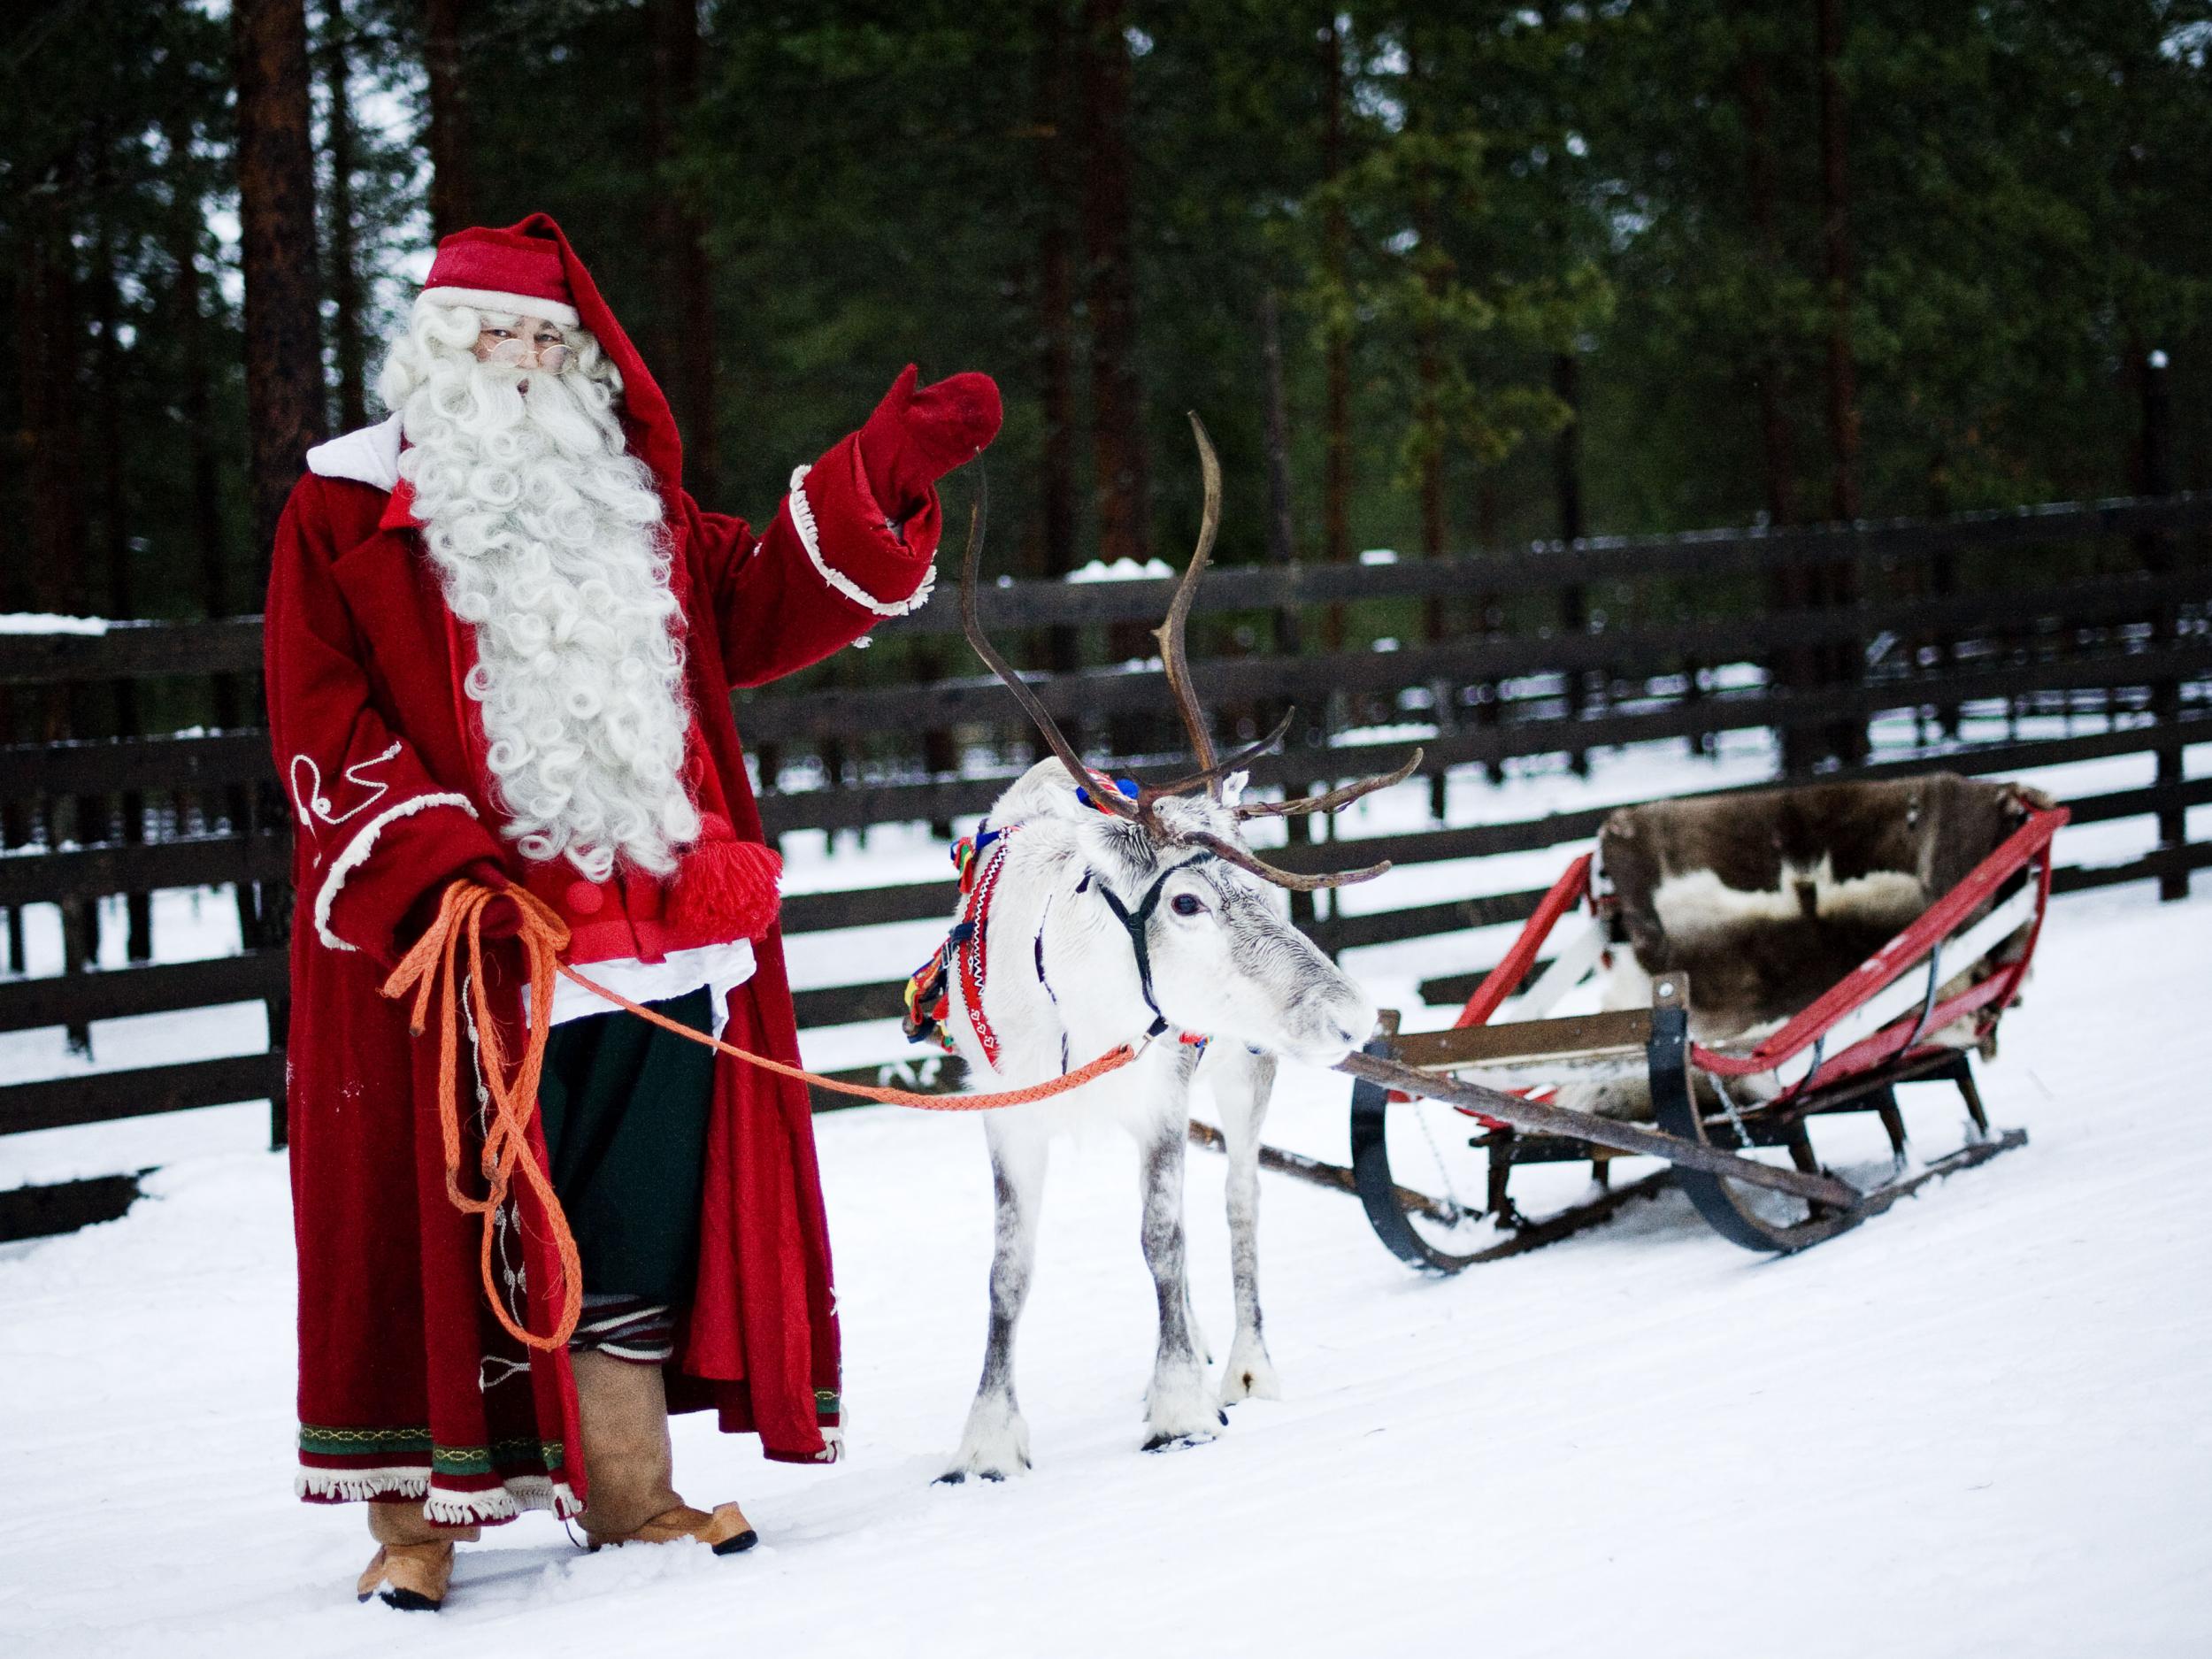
(1766, 898)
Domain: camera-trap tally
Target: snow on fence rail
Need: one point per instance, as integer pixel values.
(2103, 608)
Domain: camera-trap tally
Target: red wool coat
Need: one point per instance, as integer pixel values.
(408, 1387)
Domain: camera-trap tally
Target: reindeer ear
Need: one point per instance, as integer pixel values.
(1232, 787)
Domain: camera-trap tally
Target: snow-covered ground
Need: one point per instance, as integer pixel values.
(1976, 1426)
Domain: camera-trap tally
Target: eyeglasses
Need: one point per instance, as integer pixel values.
(515, 353)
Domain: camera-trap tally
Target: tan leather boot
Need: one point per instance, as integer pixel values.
(414, 1564)
(725, 1531)
(628, 1461)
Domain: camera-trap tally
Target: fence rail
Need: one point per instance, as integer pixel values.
(2117, 629)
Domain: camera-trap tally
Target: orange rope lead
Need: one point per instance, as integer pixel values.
(428, 971)
(1112, 1060)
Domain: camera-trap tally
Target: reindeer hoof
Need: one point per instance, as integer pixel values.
(986, 1468)
(1250, 1376)
(959, 1477)
(1179, 1442)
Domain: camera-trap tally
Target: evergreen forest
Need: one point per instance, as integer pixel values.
(1440, 276)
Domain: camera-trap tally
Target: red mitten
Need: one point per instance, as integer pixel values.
(502, 919)
(497, 921)
(916, 437)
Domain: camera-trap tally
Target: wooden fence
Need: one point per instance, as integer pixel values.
(2093, 617)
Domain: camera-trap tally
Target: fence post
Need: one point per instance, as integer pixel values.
(279, 1072)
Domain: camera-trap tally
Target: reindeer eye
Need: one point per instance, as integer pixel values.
(1187, 904)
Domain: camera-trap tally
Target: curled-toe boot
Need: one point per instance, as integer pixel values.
(629, 1461)
(413, 1564)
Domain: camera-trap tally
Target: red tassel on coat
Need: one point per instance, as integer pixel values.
(725, 889)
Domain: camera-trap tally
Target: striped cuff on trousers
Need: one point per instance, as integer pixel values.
(623, 1326)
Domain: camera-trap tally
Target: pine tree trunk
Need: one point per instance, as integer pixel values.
(1336, 499)
(285, 395)
(49, 348)
(116, 545)
(1787, 587)
(1281, 528)
(1776, 442)
(1428, 358)
(1846, 737)
(1117, 382)
(1281, 544)
(1122, 476)
(685, 354)
(1059, 206)
(276, 202)
(1835, 242)
(451, 196)
(49, 333)
(345, 266)
(184, 228)
(1428, 407)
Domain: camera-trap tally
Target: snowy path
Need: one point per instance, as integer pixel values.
(1978, 1425)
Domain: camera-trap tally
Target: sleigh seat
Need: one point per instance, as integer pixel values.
(1761, 901)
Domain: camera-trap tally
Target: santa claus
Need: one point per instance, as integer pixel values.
(501, 643)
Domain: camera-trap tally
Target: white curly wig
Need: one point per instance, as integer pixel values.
(548, 537)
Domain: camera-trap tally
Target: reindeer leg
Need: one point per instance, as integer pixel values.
(1198, 1343)
(1242, 1090)
(995, 1443)
(1178, 1411)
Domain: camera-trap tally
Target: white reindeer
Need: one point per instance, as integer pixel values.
(1103, 920)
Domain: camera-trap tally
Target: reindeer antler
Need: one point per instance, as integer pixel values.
(1144, 810)
(1343, 796)
(1170, 633)
(1110, 798)
(1222, 768)
(1229, 852)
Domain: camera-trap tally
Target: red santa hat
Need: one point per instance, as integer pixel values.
(502, 271)
(530, 267)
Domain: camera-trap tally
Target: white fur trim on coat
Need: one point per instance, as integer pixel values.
(357, 854)
(452, 1507)
(368, 455)
(518, 304)
(811, 538)
(358, 1486)
(444, 1504)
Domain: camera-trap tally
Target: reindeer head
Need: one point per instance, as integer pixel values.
(1213, 949)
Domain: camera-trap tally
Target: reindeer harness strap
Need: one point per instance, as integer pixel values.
(971, 954)
(1134, 921)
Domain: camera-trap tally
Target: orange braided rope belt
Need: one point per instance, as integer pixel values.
(430, 971)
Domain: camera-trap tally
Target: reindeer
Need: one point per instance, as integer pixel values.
(1101, 919)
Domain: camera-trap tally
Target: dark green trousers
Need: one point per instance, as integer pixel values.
(625, 1107)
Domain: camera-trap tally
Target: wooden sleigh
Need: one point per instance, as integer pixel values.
(1769, 1009)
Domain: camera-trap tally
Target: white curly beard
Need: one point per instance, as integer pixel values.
(547, 536)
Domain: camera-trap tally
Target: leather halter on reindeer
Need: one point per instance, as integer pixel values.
(1091, 916)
